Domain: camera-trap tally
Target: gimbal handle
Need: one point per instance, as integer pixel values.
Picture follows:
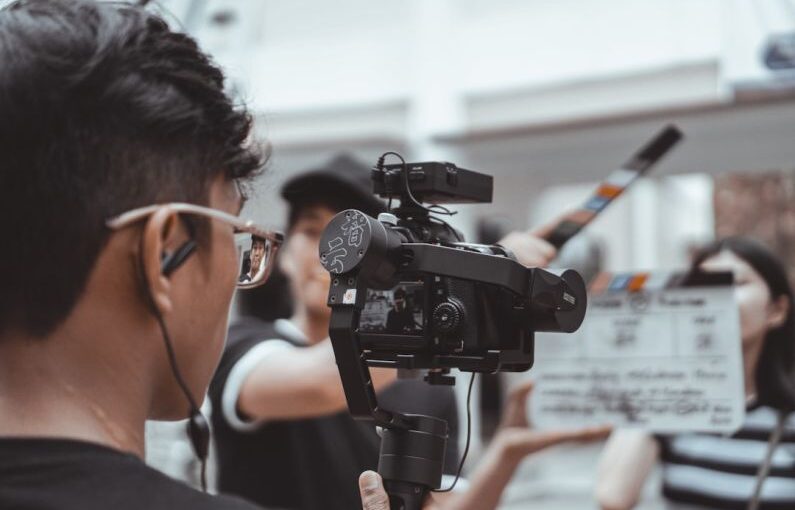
(412, 446)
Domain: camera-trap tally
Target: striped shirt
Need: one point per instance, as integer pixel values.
(719, 471)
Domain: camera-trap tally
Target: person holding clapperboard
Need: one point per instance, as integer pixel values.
(755, 466)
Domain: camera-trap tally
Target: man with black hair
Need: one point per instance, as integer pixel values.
(122, 153)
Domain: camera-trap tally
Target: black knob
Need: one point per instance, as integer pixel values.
(447, 317)
(353, 241)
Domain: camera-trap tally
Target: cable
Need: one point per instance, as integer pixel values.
(449, 228)
(198, 428)
(195, 414)
(469, 436)
(438, 209)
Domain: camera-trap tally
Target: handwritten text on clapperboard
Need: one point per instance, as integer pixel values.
(666, 360)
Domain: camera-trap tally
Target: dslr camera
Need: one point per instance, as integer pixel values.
(408, 292)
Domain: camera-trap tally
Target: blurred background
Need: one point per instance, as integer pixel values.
(548, 96)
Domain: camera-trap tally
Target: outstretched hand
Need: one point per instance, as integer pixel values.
(514, 441)
(520, 439)
(531, 247)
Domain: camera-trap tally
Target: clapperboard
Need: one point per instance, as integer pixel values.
(659, 351)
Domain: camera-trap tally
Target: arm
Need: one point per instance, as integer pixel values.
(302, 383)
(627, 460)
(514, 441)
(298, 383)
(530, 248)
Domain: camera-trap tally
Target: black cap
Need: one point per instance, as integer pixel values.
(344, 183)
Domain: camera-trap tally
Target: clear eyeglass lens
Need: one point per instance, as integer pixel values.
(254, 256)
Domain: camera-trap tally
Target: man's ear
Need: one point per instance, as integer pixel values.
(779, 310)
(160, 233)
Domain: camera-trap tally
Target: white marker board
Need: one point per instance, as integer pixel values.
(668, 360)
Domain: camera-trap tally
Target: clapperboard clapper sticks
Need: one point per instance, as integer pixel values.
(615, 184)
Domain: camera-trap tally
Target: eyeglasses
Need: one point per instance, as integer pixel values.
(256, 247)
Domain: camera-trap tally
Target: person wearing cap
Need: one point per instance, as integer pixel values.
(283, 434)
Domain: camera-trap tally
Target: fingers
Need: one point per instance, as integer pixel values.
(545, 439)
(515, 412)
(372, 491)
(529, 250)
(543, 231)
(522, 390)
(435, 502)
(520, 442)
(592, 433)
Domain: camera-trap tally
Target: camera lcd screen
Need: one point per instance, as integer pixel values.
(398, 311)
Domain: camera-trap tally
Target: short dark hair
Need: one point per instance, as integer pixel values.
(775, 370)
(103, 109)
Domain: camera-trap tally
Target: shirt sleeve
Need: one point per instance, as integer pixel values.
(237, 376)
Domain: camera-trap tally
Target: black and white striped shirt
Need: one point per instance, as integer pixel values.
(718, 471)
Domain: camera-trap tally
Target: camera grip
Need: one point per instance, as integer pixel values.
(405, 495)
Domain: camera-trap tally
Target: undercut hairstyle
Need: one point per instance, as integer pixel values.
(775, 370)
(102, 109)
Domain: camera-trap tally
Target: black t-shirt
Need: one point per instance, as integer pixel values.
(44, 474)
(400, 321)
(308, 464)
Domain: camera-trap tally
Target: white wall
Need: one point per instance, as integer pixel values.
(540, 93)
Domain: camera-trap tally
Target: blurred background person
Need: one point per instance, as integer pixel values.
(713, 471)
(280, 413)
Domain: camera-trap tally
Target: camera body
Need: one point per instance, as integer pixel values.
(429, 300)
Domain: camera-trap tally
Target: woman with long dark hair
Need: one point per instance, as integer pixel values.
(722, 471)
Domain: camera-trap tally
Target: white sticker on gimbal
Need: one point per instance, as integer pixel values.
(349, 297)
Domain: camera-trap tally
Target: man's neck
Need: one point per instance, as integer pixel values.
(51, 388)
(313, 326)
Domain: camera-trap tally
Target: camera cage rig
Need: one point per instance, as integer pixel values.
(363, 253)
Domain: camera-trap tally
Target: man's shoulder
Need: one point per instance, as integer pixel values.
(70, 474)
(168, 494)
(201, 501)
